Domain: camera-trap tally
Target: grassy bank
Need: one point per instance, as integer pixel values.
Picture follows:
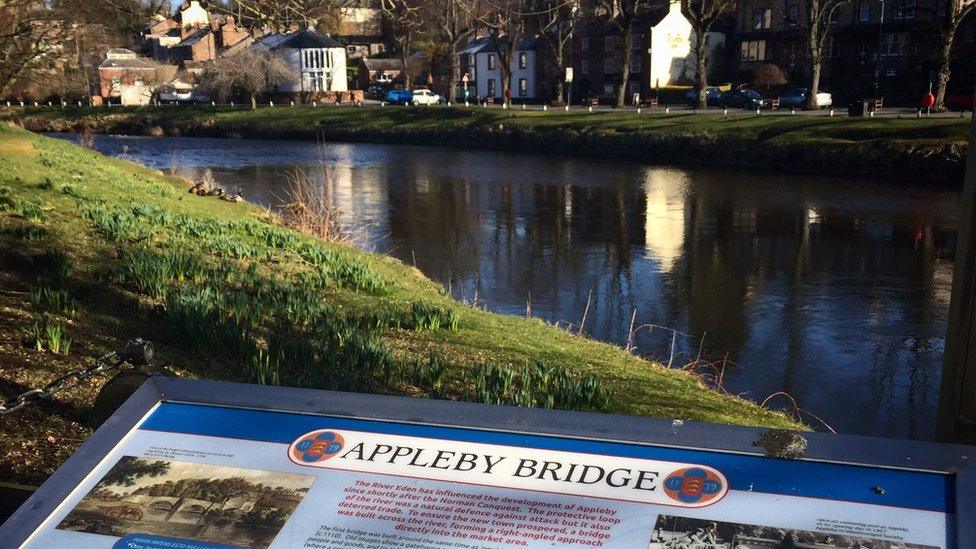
(97, 250)
(931, 150)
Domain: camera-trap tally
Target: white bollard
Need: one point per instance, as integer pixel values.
(667, 110)
(792, 111)
(918, 114)
(48, 103)
(545, 107)
(315, 103)
(271, 103)
(466, 104)
(21, 103)
(292, 103)
(590, 108)
(871, 114)
(79, 104)
(638, 110)
(35, 103)
(485, 105)
(758, 112)
(523, 106)
(831, 112)
(213, 103)
(725, 112)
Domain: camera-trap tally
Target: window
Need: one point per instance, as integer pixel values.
(793, 15)
(523, 88)
(636, 64)
(635, 88)
(864, 11)
(610, 66)
(491, 61)
(523, 60)
(972, 73)
(636, 41)
(762, 19)
(828, 47)
(906, 9)
(835, 14)
(584, 67)
(891, 73)
(491, 87)
(894, 44)
(753, 50)
(471, 59)
(608, 42)
(608, 89)
(585, 43)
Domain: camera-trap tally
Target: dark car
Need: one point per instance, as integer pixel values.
(377, 92)
(742, 99)
(712, 95)
(960, 100)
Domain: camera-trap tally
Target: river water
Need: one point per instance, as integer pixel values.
(835, 291)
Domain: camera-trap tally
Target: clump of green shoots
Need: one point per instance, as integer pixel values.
(49, 335)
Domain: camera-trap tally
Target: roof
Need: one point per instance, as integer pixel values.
(600, 26)
(383, 64)
(487, 44)
(117, 59)
(195, 37)
(300, 40)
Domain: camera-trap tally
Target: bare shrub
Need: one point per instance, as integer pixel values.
(310, 208)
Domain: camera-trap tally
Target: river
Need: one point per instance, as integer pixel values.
(834, 291)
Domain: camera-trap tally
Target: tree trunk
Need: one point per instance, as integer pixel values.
(625, 64)
(254, 102)
(455, 74)
(701, 76)
(942, 79)
(816, 63)
(560, 69)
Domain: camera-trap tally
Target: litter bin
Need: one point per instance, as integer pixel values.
(857, 107)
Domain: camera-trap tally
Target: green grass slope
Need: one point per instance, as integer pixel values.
(95, 250)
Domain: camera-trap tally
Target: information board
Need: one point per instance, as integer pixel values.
(273, 471)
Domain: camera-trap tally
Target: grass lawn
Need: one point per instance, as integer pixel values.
(779, 126)
(97, 250)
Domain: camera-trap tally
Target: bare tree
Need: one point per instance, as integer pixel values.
(279, 15)
(769, 75)
(505, 22)
(29, 32)
(557, 19)
(624, 15)
(956, 12)
(819, 13)
(404, 21)
(249, 73)
(702, 14)
(453, 25)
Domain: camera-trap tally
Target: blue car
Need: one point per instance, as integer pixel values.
(399, 97)
(712, 96)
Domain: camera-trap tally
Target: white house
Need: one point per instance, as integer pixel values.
(318, 60)
(480, 61)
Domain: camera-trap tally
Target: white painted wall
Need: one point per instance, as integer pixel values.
(670, 48)
(483, 74)
(335, 70)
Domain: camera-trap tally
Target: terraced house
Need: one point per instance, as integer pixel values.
(875, 48)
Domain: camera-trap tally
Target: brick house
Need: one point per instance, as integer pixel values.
(379, 71)
(128, 79)
(662, 54)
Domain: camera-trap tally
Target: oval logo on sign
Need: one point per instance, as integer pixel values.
(315, 447)
(694, 485)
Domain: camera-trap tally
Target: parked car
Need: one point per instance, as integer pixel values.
(797, 98)
(960, 100)
(183, 98)
(742, 99)
(712, 96)
(424, 96)
(399, 97)
(377, 92)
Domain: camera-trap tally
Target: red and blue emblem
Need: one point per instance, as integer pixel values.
(694, 485)
(317, 446)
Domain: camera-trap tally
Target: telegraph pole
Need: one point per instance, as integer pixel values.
(957, 401)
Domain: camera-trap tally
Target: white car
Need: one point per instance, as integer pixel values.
(426, 97)
(797, 98)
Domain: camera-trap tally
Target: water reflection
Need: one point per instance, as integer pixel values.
(834, 291)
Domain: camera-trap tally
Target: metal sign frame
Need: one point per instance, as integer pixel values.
(956, 461)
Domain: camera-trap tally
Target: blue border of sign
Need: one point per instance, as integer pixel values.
(907, 473)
